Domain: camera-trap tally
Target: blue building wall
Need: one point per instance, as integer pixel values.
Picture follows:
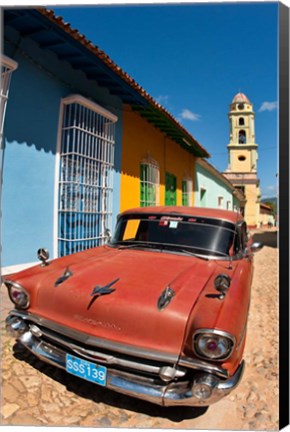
(30, 138)
(213, 187)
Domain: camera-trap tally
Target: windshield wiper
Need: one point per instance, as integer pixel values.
(133, 245)
(187, 252)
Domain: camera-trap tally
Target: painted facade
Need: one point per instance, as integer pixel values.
(266, 218)
(32, 135)
(213, 190)
(144, 145)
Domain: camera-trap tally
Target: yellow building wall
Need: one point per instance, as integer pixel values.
(265, 218)
(252, 207)
(241, 166)
(140, 140)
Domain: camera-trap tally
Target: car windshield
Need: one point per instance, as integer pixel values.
(204, 236)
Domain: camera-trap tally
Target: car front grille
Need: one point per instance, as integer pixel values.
(123, 357)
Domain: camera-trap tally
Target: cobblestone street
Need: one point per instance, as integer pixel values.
(34, 393)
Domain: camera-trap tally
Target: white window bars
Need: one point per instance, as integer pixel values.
(149, 182)
(7, 67)
(187, 191)
(86, 175)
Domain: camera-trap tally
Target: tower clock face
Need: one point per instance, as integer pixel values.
(241, 106)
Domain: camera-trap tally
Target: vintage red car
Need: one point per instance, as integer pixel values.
(158, 313)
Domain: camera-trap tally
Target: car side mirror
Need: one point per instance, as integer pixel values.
(108, 235)
(43, 256)
(256, 247)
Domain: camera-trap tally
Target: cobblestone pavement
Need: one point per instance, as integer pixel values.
(34, 393)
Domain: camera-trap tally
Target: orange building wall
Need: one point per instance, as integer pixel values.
(141, 139)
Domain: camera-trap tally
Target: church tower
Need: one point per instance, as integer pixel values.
(243, 156)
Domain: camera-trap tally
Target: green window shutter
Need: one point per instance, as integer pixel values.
(185, 200)
(149, 184)
(142, 185)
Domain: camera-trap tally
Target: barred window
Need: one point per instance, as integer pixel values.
(186, 192)
(149, 182)
(85, 176)
(7, 67)
(220, 202)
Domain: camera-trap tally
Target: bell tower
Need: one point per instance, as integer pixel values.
(243, 156)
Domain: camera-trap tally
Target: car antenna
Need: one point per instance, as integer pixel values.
(230, 262)
(230, 256)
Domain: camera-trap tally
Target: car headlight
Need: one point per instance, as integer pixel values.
(18, 295)
(213, 344)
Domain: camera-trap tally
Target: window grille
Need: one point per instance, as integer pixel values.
(86, 175)
(7, 67)
(149, 182)
(186, 192)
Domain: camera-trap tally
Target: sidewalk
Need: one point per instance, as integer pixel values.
(15, 268)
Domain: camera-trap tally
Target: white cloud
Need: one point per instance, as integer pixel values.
(186, 114)
(268, 106)
(162, 99)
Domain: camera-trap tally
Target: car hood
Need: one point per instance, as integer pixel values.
(113, 294)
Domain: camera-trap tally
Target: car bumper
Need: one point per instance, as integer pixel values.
(203, 390)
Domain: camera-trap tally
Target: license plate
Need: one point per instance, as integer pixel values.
(86, 370)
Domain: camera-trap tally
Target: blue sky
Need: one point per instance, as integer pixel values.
(193, 59)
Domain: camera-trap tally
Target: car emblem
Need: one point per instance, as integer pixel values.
(165, 298)
(102, 290)
(106, 289)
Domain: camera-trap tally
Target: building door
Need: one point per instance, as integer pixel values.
(170, 189)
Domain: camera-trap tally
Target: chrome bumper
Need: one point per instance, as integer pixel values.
(211, 388)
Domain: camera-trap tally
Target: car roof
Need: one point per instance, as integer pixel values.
(227, 215)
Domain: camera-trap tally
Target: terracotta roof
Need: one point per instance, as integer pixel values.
(240, 97)
(266, 207)
(151, 116)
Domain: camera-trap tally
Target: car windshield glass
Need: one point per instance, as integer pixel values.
(179, 233)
